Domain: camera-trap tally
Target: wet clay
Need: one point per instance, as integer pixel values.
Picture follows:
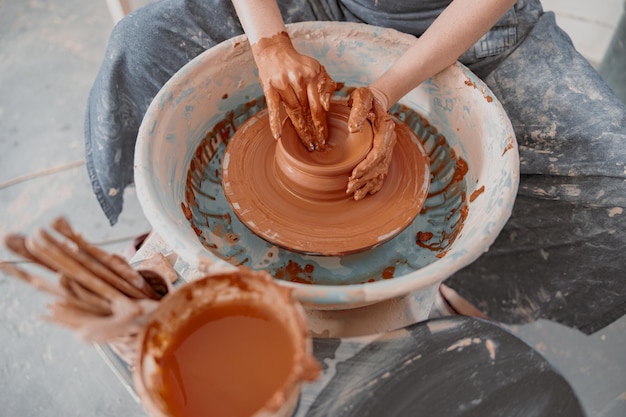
(227, 360)
(310, 212)
(321, 175)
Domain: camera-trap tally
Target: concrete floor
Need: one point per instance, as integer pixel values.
(50, 51)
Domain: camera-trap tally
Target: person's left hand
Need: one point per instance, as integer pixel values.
(369, 175)
(301, 83)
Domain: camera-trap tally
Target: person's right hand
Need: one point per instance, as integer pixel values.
(298, 81)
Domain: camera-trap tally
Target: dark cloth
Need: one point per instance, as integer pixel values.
(561, 256)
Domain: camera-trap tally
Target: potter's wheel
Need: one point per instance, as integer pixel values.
(275, 203)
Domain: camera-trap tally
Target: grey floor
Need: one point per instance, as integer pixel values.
(49, 54)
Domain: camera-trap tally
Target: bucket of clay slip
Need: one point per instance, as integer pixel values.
(233, 344)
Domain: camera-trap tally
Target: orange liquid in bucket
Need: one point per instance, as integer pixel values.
(226, 361)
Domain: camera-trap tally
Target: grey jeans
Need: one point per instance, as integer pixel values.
(562, 255)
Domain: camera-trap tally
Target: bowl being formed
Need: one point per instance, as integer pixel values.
(462, 126)
(322, 174)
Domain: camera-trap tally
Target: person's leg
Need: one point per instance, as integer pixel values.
(145, 49)
(562, 255)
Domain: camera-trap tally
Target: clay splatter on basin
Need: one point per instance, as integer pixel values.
(425, 240)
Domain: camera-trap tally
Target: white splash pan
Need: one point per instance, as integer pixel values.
(455, 102)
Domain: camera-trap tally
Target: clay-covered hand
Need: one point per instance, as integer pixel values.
(298, 81)
(369, 175)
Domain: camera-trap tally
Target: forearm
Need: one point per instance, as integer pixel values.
(259, 18)
(460, 25)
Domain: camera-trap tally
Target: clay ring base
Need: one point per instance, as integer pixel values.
(320, 226)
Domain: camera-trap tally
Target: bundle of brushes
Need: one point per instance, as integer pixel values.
(99, 295)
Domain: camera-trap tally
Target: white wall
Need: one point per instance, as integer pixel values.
(590, 23)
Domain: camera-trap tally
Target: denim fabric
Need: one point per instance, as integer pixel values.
(562, 254)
